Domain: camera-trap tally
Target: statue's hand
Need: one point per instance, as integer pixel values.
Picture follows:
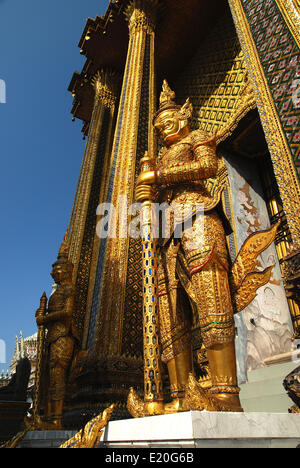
(145, 193)
(148, 178)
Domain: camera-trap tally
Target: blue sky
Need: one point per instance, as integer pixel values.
(40, 149)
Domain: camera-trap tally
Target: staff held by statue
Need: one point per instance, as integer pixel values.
(153, 391)
(40, 313)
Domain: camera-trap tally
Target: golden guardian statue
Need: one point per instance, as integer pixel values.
(197, 284)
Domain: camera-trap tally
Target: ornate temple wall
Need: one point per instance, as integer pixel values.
(269, 35)
(214, 78)
(274, 26)
(264, 327)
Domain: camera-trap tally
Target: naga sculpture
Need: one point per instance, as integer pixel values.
(60, 339)
(90, 435)
(196, 281)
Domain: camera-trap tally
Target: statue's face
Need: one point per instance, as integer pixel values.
(170, 127)
(57, 273)
(60, 272)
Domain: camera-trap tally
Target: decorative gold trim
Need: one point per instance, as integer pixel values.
(140, 15)
(106, 85)
(290, 10)
(283, 165)
(246, 260)
(247, 291)
(232, 217)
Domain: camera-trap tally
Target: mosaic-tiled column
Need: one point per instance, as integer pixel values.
(271, 51)
(91, 187)
(115, 323)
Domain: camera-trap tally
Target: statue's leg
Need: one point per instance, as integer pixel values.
(208, 266)
(217, 329)
(175, 330)
(47, 399)
(61, 351)
(56, 394)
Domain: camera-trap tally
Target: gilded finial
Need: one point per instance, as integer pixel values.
(43, 304)
(167, 102)
(167, 96)
(43, 299)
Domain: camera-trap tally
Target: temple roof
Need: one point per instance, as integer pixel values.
(104, 43)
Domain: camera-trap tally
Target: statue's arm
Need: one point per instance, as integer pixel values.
(54, 317)
(64, 314)
(203, 166)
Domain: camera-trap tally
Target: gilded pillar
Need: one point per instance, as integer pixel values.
(116, 305)
(91, 188)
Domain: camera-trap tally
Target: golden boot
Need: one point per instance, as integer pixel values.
(179, 369)
(57, 411)
(222, 363)
(56, 396)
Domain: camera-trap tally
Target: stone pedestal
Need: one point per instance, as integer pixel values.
(190, 430)
(196, 429)
(264, 391)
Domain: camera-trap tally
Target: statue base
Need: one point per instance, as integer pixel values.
(188, 430)
(201, 429)
(264, 391)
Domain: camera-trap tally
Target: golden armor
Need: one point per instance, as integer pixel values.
(59, 339)
(195, 268)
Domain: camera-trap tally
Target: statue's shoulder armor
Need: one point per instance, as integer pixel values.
(199, 136)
